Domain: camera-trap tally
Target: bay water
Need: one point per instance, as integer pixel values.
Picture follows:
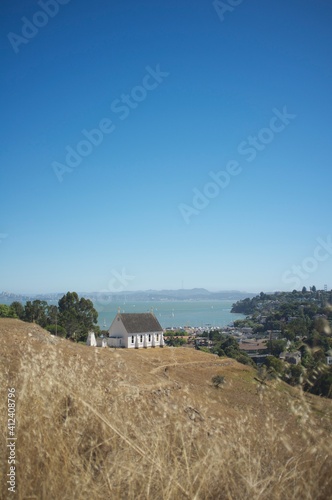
(173, 314)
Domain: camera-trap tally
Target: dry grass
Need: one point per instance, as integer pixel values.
(105, 424)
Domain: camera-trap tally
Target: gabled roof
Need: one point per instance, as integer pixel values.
(286, 354)
(253, 346)
(140, 322)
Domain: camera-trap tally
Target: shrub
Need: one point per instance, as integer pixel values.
(218, 380)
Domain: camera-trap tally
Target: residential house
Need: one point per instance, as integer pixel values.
(253, 347)
(294, 358)
(329, 357)
(257, 350)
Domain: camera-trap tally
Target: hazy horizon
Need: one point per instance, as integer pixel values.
(129, 291)
(124, 292)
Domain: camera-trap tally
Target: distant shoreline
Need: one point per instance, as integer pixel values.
(195, 294)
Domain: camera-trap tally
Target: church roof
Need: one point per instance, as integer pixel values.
(140, 322)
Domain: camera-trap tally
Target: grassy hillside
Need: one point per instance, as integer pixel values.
(149, 424)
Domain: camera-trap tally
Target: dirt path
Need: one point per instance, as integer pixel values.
(219, 363)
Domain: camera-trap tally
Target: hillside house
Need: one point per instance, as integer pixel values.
(294, 358)
(253, 347)
(257, 350)
(135, 331)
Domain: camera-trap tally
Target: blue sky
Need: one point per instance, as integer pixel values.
(179, 91)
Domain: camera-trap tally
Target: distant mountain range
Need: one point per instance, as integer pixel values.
(140, 295)
(181, 294)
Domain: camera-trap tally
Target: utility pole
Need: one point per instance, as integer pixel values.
(270, 339)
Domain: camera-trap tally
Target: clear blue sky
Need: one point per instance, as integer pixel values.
(129, 207)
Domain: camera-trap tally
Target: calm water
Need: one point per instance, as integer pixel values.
(173, 314)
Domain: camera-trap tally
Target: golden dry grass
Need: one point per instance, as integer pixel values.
(148, 424)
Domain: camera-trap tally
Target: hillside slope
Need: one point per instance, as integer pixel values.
(104, 423)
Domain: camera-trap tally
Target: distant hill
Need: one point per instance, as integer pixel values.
(105, 423)
(181, 294)
(140, 295)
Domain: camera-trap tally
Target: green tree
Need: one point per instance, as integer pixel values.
(175, 342)
(214, 335)
(272, 324)
(57, 330)
(294, 374)
(296, 327)
(6, 311)
(36, 312)
(18, 309)
(219, 351)
(307, 359)
(322, 384)
(244, 359)
(277, 347)
(52, 314)
(77, 316)
(275, 364)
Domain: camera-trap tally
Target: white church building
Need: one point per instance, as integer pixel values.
(132, 331)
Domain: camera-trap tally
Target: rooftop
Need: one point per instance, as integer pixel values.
(140, 322)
